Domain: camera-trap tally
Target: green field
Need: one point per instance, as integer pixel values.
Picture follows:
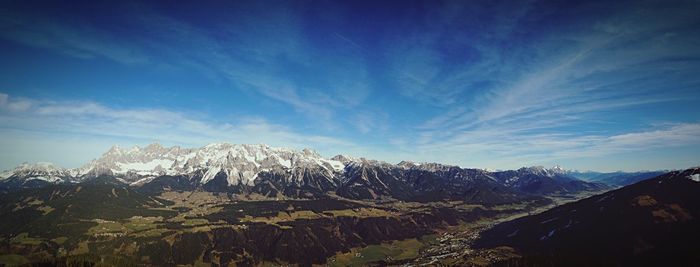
(13, 260)
(397, 250)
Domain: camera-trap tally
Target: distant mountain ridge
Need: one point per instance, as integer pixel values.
(618, 178)
(540, 180)
(281, 172)
(41, 171)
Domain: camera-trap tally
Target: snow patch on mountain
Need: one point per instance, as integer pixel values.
(541, 170)
(38, 171)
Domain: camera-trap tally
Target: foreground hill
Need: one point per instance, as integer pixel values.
(650, 223)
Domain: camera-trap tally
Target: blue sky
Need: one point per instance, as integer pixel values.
(594, 85)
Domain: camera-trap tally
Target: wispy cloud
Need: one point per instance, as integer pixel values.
(367, 122)
(80, 41)
(511, 105)
(13, 105)
(495, 149)
(258, 49)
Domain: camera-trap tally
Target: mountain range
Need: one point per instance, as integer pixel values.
(252, 205)
(286, 173)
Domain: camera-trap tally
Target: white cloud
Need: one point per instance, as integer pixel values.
(13, 105)
(501, 150)
(366, 122)
(59, 120)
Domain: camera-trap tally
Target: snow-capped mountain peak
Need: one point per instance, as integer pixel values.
(344, 159)
(407, 164)
(558, 168)
(40, 171)
(693, 174)
(241, 163)
(541, 170)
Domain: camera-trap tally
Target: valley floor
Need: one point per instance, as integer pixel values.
(203, 228)
(449, 246)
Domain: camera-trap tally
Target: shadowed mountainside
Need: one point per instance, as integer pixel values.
(653, 222)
